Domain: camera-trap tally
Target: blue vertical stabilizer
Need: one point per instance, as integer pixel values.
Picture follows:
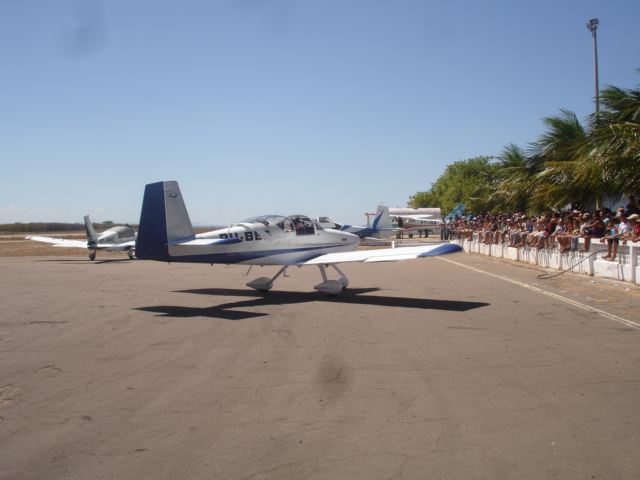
(163, 220)
(151, 243)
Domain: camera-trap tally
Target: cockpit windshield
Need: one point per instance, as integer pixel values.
(304, 225)
(280, 221)
(301, 224)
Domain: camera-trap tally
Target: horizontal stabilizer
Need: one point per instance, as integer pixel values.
(206, 241)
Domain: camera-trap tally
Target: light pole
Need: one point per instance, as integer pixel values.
(593, 26)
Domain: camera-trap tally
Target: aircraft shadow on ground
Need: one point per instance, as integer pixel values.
(354, 296)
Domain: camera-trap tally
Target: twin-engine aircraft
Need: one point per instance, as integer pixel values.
(427, 219)
(166, 234)
(115, 239)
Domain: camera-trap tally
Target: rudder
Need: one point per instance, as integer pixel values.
(383, 218)
(92, 236)
(163, 219)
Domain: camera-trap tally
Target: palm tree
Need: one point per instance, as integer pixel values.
(612, 155)
(512, 190)
(555, 160)
(569, 163)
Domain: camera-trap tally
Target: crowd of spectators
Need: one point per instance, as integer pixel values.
(556, 230)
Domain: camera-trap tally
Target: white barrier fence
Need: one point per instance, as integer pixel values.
(624, 267)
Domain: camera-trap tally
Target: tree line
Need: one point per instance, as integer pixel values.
(43, 227)
(575, 164)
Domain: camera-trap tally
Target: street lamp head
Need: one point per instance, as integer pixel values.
(593, 24)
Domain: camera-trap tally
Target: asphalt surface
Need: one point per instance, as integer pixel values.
(456, 367)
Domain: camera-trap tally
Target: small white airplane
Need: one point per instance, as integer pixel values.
(423, 221)
(379, 230)
(115, 239)
(166, 234)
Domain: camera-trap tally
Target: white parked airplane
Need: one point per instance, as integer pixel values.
(428, 219)
(380, 229)
(115, 239)
(166, 234)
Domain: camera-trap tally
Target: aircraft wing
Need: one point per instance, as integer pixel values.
(59, 242)
(383, 255)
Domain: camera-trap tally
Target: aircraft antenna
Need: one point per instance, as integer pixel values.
(228, 222)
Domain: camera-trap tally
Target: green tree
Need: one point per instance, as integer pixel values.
(513, 189)
(465, 181)
(612, 156)
(568, 164)
(554, 163)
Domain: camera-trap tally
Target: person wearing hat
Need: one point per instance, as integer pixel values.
(634, 234)
(592, 228)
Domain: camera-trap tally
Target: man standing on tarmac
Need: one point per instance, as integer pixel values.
(449, 224)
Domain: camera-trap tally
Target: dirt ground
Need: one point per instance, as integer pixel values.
(452, 367)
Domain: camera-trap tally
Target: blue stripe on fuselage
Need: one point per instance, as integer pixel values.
(243, 257)
(375, 222)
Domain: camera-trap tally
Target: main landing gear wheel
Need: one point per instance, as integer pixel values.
(131, 254)
(328, 287)
(92, 256)
(264, 284)
(332, 287)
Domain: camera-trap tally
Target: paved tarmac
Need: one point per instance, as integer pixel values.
(456, 367)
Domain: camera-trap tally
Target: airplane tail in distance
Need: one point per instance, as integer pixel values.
(92, 236)
(383, 219)
(163, 219)
(459, 210)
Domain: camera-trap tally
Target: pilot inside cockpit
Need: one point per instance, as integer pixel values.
(303, 225)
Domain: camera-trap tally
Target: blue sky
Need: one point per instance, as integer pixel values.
(317, 107)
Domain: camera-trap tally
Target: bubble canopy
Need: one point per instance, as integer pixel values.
(288, 224)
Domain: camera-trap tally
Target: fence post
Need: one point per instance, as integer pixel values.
(633, 261)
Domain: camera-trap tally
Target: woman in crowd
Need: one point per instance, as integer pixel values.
(593, 228)
(557, 230)
(634, 234)
(564, 238)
